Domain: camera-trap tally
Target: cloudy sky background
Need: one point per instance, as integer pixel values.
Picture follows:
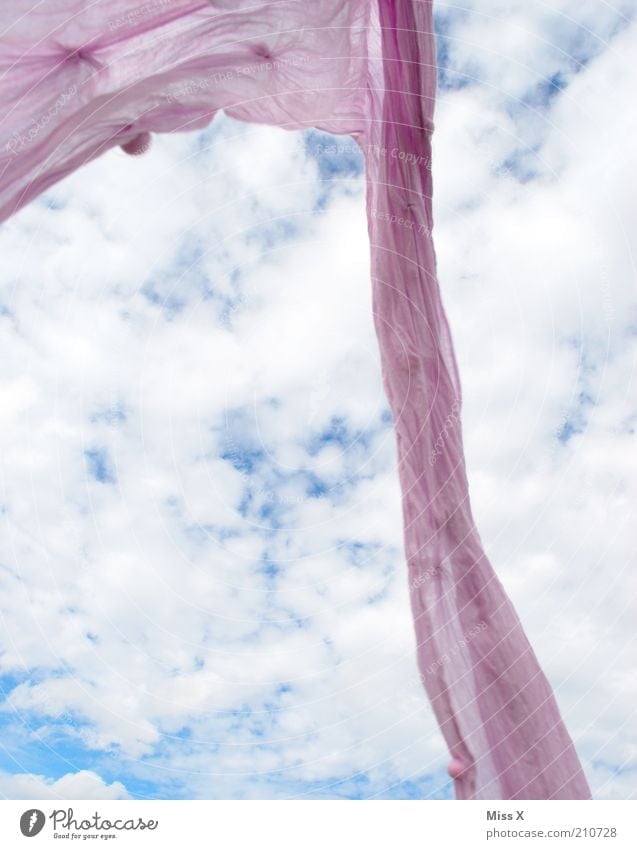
(202, 587)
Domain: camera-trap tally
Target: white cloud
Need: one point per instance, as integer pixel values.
(74, 785)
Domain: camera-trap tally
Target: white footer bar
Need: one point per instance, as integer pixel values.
(318, 824)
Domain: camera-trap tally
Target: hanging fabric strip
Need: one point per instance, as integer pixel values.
(493, 703)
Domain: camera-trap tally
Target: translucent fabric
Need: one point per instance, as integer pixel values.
(81, 77)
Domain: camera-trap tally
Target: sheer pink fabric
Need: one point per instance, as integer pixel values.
(81, 77)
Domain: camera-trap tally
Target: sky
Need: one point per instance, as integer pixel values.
(202, 587)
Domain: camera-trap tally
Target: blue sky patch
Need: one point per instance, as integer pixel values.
(100, 466)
